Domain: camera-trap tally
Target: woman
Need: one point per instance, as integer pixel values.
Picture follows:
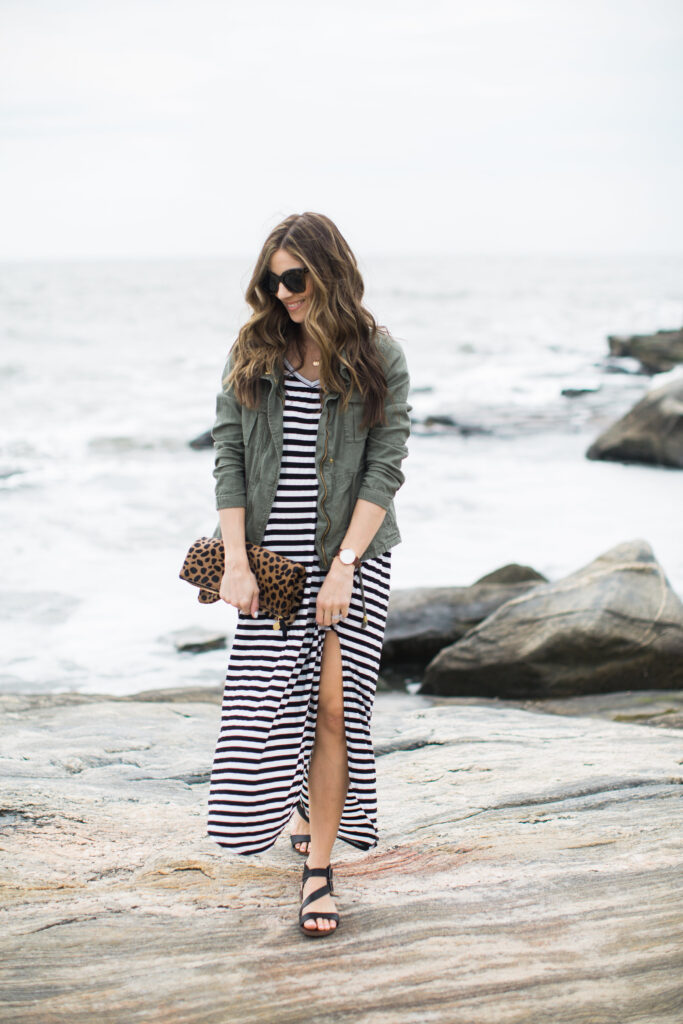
(310, 433)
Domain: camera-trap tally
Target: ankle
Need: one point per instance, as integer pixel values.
(313, 861)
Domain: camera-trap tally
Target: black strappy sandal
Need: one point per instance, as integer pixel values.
(301, 838)
(316, 933)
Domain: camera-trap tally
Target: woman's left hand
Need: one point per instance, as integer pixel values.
(334, 597)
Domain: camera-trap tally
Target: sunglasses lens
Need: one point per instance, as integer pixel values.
(294, 280)
(271, 282)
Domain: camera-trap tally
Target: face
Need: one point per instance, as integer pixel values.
(296, 303)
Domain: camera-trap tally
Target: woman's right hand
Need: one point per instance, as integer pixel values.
(240, 589)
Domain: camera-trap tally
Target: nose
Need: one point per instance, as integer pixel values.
(282, 292)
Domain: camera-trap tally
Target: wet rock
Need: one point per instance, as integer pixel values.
(196, 639)
(502, 833)
(448, 423)
(615, 624)
(204, 440)
(657, 352)
(652, 432)
(576, 392)
(422, 620)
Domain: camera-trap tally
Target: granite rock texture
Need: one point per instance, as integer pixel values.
(529, 870)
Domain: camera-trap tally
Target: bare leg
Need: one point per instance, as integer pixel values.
(328, 776)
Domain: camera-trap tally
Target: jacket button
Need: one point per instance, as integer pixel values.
(330, 460)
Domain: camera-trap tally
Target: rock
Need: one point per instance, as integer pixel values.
(576, 392)
(652, 432)
(204, 440)
(660, 708)
(529, 869)
(615, 624)
(422, 620)
(657, 352)
(449, 423)
(626, 365)
(197, 639)
(513, 573)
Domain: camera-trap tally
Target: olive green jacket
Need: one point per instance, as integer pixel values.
(352, 461)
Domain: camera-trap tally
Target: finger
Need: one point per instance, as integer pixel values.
(254, 605)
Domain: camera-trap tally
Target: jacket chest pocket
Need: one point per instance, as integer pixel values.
(353, 417)
(254, 432)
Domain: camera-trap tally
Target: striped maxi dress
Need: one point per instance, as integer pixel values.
(270, 698)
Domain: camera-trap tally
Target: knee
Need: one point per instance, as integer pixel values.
(331, 717)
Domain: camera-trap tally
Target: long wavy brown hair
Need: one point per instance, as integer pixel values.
(336, 320)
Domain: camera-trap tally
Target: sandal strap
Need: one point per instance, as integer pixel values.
(310, 916)
(315, 895)
(300, 839)
(323, 872)
(302, 812)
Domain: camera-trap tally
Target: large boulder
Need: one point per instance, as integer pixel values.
(615, 624)
(656, 352)
(422, 620)
(652, 432)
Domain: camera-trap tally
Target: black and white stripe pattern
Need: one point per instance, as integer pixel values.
(269, 709)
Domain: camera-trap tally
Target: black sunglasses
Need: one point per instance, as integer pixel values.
(293, 280)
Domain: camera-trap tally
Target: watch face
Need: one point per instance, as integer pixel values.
(347, 556)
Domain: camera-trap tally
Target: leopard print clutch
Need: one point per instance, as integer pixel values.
(280, 580)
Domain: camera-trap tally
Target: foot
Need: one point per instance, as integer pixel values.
(324, 904)
(300, 827)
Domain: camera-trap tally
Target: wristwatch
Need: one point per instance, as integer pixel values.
(347, 556)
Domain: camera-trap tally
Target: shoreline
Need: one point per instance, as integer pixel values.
(654, 708)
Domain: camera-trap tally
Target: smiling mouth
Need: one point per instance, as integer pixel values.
(294, 305)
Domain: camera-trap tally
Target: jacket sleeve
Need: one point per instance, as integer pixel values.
(386, 447)
(228, 443)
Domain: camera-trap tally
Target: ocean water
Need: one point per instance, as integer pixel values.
(109, 368)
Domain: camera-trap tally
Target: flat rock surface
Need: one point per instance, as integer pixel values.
(530, 869)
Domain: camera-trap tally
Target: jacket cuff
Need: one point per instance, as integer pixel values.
(380, 498)
(231, 501)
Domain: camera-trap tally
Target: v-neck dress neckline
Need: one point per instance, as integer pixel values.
(300, 376)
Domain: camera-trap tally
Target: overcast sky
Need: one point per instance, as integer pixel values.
(190, 127)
